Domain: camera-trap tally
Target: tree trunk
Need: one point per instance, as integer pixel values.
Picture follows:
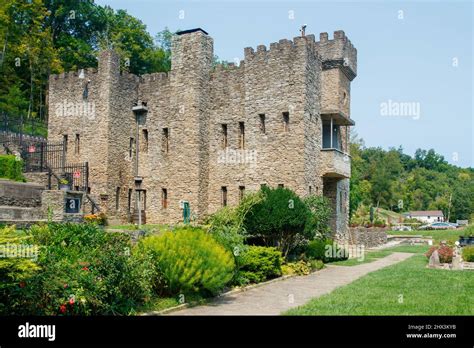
(4, 50)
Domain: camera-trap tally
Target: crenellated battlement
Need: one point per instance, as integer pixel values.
(282, 47)
(71, 76)
(338, 52)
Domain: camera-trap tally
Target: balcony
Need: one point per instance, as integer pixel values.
(335, 163)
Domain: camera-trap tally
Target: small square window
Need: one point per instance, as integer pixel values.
(166, 140)
(241, 192)
(286, 121)
(164, 198)
(224, 195)
(224, 136)
(241, 135)
(262, 123)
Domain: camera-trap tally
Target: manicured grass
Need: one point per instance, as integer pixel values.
(371, 256)
(438, 235)
(158, 304)
(409, 248)
(406, 288)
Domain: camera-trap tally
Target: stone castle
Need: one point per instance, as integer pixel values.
(197, 138)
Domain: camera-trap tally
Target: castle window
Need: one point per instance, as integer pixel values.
(224, 136)
(166, 140)
(130, 147)
(145, 140)
(331, 139)
(262, 123)
(241, 135)
(164, 198)
(341, 210)
(241, 192)
(224, 195)
(129, 205)
(344, 98)
(117, 198)
(65, 142)
(310, 189)
(143, 200)
(286, 121)
(77, 144)
(281, 185)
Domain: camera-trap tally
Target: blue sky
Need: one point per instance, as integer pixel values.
(408, 52)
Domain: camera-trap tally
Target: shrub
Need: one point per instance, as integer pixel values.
(11, 168)
(190, 260)
(259, 264)
(320, 208)
(468, 253)
(468, 231)
(15, 268)
(325, 250)
(316, 265)
(279, 220)
(445, 253)
(234, 216)
(298, 268)
(85, 271)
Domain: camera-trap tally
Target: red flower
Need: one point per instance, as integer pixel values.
(65, 286)
(85, 268)
(22, 284)
(62, 308)
(71, 301)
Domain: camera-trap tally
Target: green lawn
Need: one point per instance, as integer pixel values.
(406, 288)
(448, 235)
(158, 304)
(377, 254)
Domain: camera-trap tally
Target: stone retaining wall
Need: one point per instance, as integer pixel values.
(20, 194)
(369, 237)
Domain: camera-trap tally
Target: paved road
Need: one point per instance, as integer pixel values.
(277, 297)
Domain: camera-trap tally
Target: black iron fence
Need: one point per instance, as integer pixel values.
(17, 140)
(39, 157)
(51, 157)
(23, 125)
(73, 175)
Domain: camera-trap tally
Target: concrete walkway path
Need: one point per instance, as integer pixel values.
(279, 296)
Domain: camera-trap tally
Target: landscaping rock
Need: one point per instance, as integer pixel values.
(434, 260)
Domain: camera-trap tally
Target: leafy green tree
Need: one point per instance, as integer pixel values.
(394, 180)
(321, 211)
(279, 220)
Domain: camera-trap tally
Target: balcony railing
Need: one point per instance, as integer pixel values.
(335, 163)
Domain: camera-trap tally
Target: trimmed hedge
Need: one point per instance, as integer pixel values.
(260, 263)
(11, 168)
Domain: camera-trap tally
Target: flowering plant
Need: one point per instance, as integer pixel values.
(98, 219)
